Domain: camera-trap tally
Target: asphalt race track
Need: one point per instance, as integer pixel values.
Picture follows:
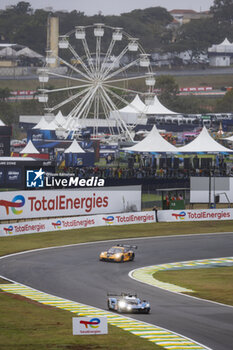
(75, 273)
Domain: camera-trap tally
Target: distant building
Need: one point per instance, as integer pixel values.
(221, 55)
(185, 16)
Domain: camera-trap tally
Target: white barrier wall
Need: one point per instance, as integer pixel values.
(76, 222)
(195, 215)
(56, 203)
(144, 217)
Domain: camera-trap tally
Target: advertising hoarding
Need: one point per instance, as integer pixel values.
(59, 203)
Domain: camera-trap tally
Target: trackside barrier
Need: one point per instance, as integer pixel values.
(144, 217)
(195, 215)
(69, 223)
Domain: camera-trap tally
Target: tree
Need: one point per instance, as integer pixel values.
(196, 36)
(223, 10)
(168, 89)
(225, 104)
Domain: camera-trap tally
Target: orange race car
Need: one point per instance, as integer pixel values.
(119, 253)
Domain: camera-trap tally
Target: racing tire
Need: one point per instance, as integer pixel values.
(122, 259)
(132, 258)
(109, 307)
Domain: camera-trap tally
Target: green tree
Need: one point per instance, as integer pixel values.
(168, 89)
(225, 104)
(196, 36)
(223, 10)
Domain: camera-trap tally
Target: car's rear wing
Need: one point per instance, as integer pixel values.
(128, 246)
(122, 294)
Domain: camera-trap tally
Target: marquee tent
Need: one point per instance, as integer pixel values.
(131, 112)
(59, 119)
(74, 148)
(1, 123)
(203, 143)
(153, 142)
(225, 47)
(28, 53)
(43, 124)
(29, 148)
(157, 108)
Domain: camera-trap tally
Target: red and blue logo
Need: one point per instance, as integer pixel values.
(93, 323)
(180, 216)
(57, 224)
(9, 230)
(109, 219)
(17, 202)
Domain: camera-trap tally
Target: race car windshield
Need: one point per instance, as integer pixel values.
(115, 250)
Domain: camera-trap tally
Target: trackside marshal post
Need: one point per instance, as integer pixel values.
(90, 325)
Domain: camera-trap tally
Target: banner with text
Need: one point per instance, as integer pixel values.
(55, 203)
(69, 223)
(195, 215)
(90, 325)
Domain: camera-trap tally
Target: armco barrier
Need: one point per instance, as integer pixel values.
(69, 223)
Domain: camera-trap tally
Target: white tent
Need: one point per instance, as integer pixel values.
(43, 124)
(224, 47)
(136, 106)
(132, 112)
(1, 123)
(153, 142)
(157, 108)
(28, 53)
(29, 148)
(203, 143)
(59, 119)
(74, 148)
(7, 51)
(230, 138)
(51, 126)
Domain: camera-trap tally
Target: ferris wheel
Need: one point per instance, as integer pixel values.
(100, 65)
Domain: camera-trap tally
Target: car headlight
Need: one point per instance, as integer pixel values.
(147, 305)
(118, 255)
(122, 304)
(129, 307)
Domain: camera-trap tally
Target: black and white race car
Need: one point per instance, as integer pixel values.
(127, 302)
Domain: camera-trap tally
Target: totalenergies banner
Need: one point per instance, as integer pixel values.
(55, 203)
(56, 224)
(195, 215)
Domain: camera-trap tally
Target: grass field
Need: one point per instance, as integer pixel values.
(29, 325)
(214, 284)
(216, 81)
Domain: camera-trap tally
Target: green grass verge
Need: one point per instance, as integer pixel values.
(214, 284)
(26, 324)
(57, 238)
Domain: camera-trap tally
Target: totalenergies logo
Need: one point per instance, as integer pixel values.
(57, 224)
(17, 202)
(93, 323)
(9, 230)
(109, 219)
(180, 216)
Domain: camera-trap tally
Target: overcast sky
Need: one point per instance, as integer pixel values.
(115, 7)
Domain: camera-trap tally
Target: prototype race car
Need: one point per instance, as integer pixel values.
(126, 302)
(119, 253)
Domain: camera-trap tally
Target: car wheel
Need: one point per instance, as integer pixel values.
(109, 306)
(132, 258)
